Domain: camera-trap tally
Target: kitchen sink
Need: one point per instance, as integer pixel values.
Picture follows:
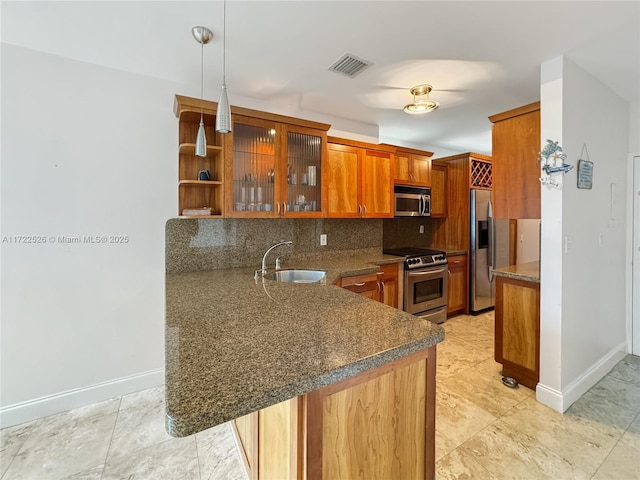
(296, 276)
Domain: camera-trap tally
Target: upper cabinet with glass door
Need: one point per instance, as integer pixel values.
(272, 168)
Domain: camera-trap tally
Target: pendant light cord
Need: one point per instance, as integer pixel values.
(224, 42)
(201, 76)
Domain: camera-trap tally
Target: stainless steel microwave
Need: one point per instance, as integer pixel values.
(411, 201)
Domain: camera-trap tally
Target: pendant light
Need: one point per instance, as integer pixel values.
(203, 36)
(223, 115)
(421, 106)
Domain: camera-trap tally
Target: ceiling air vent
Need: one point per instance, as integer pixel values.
(349, 65)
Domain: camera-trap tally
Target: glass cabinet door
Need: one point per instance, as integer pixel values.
(304, 162)
(254, 167)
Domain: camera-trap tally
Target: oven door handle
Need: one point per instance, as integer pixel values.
(429, 272)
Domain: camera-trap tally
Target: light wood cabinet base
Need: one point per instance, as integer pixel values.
(517, 330)
(377, 425)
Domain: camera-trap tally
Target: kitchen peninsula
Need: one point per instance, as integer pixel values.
(321, 382)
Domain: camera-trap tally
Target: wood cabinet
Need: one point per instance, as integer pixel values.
(457, 289)
(516, 143)
(382, 286)
(274, 169)
(464, 172)
(377, 425)
(517, 329)
(388, 277)
(412, 167)
(358, 180)
(438, 189)
(196, 196)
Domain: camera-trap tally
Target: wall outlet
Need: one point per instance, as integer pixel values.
(421, 228)
(323, 239)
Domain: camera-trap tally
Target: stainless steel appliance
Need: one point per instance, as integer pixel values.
(426, 278)
(411, 201)
(496, 243)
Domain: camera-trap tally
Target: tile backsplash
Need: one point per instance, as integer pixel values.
(405, 232)
(206, 244)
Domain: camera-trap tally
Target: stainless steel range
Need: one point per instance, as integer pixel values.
(426, 276)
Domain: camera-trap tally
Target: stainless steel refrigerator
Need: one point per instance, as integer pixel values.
(496, 243)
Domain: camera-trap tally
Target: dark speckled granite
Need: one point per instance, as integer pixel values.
(235, 345)
(528, 272)
(207, 244)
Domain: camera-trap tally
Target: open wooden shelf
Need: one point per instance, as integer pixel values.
(190, 149)
(198, 183)
(199, 216)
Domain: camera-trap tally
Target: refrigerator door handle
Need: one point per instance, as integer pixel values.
(491, 250)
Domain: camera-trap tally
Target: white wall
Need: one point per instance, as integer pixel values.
(590, 272)
(86, 150)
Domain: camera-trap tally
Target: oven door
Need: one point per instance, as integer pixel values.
(425, 288)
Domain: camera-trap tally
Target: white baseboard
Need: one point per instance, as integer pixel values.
(79, 397)
(561, 401)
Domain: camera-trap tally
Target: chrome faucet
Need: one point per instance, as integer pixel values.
(263, 270)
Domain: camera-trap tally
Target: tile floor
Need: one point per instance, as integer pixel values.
(484, 430)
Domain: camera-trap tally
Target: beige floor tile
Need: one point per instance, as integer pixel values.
(140, 426)
(11, 441)
(91, 474)
(175, 459)
(443, 444)
(144, 399)
(622, 463)
(458, 418)
(485, 391)
(217, 454)
(59, 447)
(458, 466)
(632, 435)
(457, 356)
(510, 454)
(581, 441)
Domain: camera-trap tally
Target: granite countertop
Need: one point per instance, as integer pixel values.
(235, 345)
(528, 272)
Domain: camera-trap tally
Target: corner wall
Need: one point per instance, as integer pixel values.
(584, 236)
(87, 152)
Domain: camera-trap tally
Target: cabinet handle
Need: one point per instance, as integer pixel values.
(359, 210)
(364, 210)
(360, 284)
(284, 208)
(381, 287)
(278, 208)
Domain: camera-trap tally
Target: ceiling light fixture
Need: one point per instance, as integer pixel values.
(223, 115)
(421, 106)
(203, 36)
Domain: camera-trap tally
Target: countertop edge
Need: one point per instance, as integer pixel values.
(183, 427)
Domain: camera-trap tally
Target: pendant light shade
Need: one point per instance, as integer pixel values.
(223, 115)
(203, 36)
(201, 140)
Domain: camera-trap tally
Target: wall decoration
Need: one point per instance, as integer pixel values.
(552, 159)
(585, 170)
